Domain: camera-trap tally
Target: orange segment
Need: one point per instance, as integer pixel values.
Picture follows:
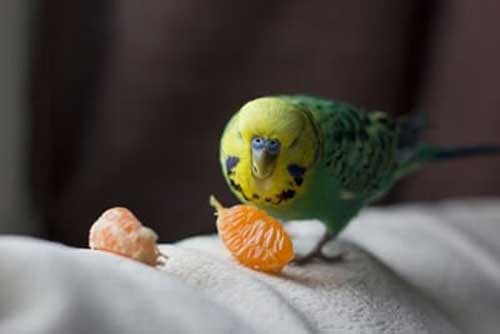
(119, 231)
(254, 238)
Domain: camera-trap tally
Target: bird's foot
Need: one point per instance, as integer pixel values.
(317, 253)
(320, 256)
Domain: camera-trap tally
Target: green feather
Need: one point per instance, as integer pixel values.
(362, 155)
(358, 158)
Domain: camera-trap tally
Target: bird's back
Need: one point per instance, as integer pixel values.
(358, 158)
(359, 147)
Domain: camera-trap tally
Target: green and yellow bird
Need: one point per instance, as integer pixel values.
(302, 157)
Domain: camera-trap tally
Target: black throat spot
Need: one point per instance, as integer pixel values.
(238, 189)
(285, 195)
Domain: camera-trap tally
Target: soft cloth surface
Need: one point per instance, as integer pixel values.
(422, 270)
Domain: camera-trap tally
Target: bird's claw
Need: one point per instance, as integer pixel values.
(320, 256)
(317, 253)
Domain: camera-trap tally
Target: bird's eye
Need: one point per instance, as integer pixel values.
(258, 143)
(273, 146)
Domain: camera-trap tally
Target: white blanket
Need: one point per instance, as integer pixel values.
(423, 270)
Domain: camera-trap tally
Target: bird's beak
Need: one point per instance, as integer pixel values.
(263, 163)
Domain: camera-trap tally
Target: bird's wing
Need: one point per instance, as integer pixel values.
(359, 146)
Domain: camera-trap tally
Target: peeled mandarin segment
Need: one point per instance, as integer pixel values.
(119, 231)
(254, 238)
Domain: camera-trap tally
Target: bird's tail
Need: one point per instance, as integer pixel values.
(424, 154)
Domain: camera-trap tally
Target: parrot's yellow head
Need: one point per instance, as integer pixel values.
(268, 150)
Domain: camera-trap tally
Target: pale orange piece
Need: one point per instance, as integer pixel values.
(119, 231)
(254, 238)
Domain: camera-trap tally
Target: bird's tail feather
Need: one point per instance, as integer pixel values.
(411, 127)
(424, 154)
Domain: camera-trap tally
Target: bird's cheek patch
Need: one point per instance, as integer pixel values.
(231, 162)
(297, 172)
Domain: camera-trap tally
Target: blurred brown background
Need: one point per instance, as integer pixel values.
(129, 98)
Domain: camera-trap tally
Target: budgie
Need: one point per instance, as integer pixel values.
(303, 157)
